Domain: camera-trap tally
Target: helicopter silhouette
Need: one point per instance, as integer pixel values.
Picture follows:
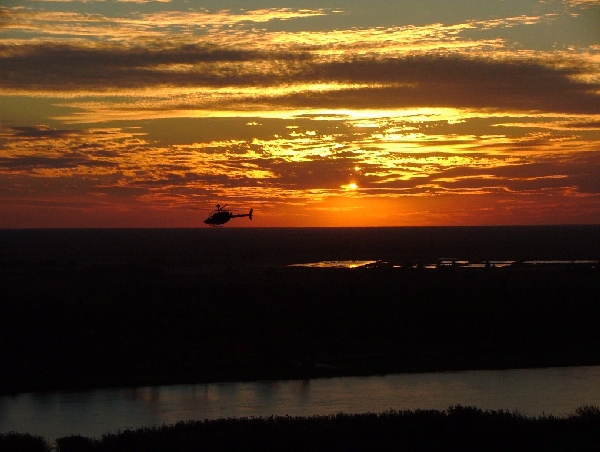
(221, 216)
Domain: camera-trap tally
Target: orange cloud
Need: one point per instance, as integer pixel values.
(439, 123)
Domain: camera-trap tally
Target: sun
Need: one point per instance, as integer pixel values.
(350, 187)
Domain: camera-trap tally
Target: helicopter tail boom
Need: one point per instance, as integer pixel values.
(238, 215)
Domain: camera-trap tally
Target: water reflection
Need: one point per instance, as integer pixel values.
(447, 262)
(334, 264)
(557, 391)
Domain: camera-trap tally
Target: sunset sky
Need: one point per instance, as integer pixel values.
(315, 113)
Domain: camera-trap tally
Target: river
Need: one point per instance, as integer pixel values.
(533, 392)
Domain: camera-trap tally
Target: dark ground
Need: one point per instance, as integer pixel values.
(128, 309)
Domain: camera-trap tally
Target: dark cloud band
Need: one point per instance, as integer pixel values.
(426, 80)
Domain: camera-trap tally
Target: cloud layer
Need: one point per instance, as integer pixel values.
(169, 109)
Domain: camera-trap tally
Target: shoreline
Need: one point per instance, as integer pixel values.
(456, 428)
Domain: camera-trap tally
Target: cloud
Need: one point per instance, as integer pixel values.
(451, 82)
(40, 150)
(582, 3)
(392, 83)
(110, 165)
(65, 68)
(402, 112)
(142, 26)
(65, 161)
(38, 132)
(179, 57)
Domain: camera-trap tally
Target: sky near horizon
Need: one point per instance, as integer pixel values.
(315, 113)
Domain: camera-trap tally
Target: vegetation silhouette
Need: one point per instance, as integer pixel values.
(22, 442)
(457, 428)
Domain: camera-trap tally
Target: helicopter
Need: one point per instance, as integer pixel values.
(221, 216)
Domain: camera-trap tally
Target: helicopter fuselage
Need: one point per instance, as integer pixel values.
(223, 216)
(217, 218)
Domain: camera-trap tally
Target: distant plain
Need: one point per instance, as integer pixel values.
(97, 308)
